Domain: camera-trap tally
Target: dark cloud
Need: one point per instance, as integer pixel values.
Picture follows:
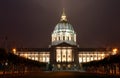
(29, 23)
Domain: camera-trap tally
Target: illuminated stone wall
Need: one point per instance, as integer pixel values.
(91, 56)
(38, 56)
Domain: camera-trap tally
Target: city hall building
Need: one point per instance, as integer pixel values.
(64, 52)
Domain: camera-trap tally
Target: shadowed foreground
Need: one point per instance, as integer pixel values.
(61, 75)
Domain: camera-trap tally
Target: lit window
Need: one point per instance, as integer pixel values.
(95, 58)
(58, 66)
(88, 59)
(58, 55)
(36, 58)
(84, 59)
(47, 59)
(99, 58)
(32, 58)
(69, 66)
(80, 60)
(91, 58)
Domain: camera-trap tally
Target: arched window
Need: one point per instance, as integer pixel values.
(67, 38)
(72, 38)
(63, 37)
(59, 38)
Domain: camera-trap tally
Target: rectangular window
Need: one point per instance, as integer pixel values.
(69, 55)
(58, 55)
(63, 55)
(63, 37)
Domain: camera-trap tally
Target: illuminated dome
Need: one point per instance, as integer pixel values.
(63, 32)
(64, 27)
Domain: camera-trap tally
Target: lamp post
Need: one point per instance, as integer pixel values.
(114, 51)
(14, 50)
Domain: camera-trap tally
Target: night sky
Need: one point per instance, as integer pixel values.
(29, 23)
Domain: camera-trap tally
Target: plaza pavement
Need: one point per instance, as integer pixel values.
(60, 74)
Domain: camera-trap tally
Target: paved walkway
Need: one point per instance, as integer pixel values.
(61, 74)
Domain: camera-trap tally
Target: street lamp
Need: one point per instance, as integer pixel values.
(114, 51)
(14, 50)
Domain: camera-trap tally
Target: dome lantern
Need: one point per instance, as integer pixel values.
(63, 16)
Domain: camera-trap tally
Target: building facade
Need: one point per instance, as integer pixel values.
(64, 52)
